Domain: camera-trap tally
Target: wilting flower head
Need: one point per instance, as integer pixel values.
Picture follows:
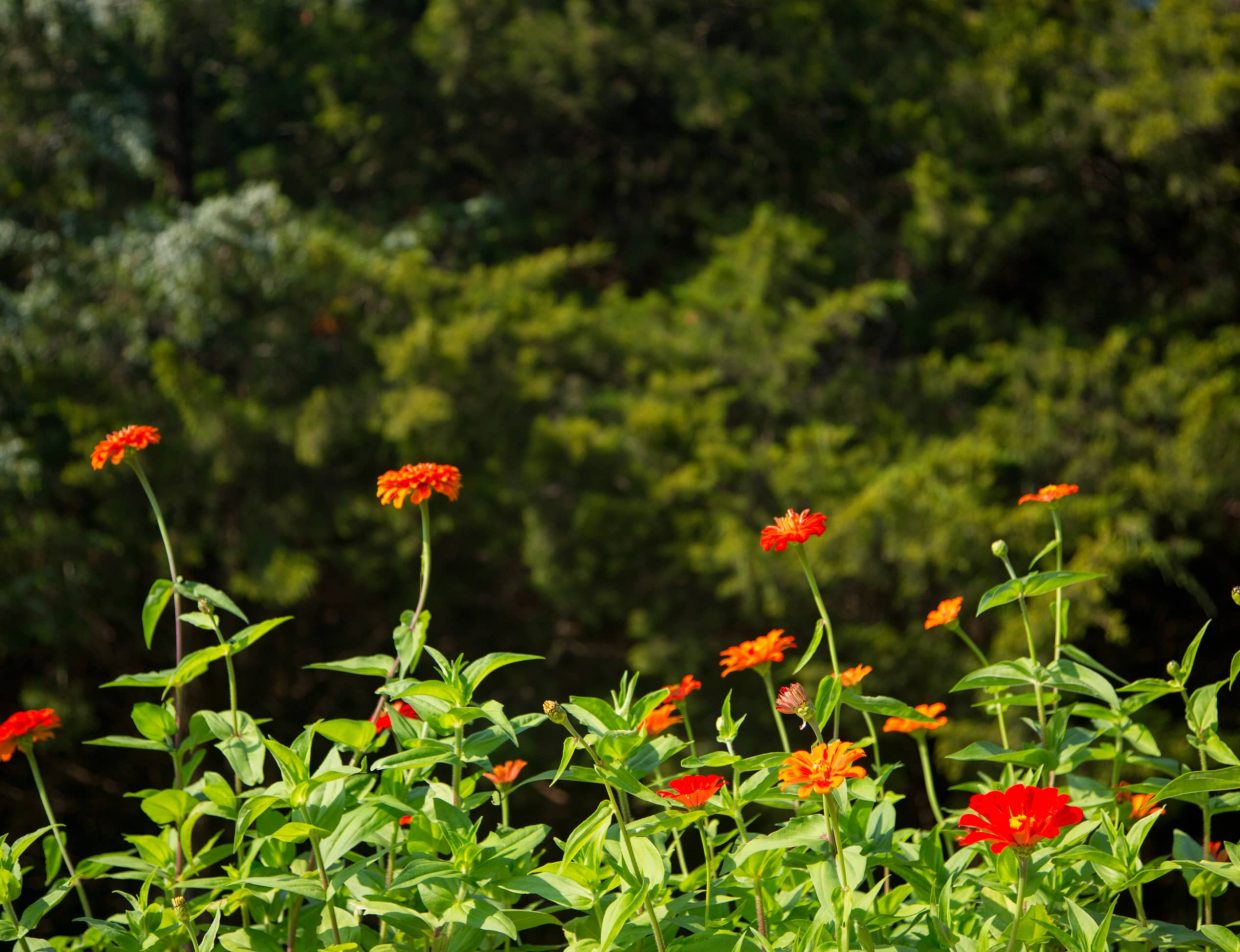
(26, 728)
(416, 481)
(1140, 804)
(678, 692)
(383, 720)
(1019, 816)
(506, 773)
(694, 790)
(112, 447)
(822, 768)
(792, 527)
(851, 677)
(1052, 493)
(947, 612)
(906, 725)
(791, 699)
(660, 719)
(750, 654)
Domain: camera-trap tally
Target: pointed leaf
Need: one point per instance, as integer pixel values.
(153, 607)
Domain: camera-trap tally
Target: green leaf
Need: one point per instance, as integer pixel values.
(247, 636)
(476, 671)
(566, 755)
(815, 641)
(799, 831)
(422, 753)
(153, 721)
(725, 725)
(310, 888)
(292, 768)
(1035, 583)
(827, 699)
(347, 731)
(153, 607)
(129, 743)
(1070, 676)
(195, 664)
(1190, 654)
(617, 915)
(1024, 757)
(294, 832)
(886, 706)
(149, 679)
(371, 666)
(167, 807)
(197, 590)
(1046, 550)
(553, 887)
(33, 914)
(1079, 656)
(1203, 708)
(1005, 674)
(356, 826)
(1199, 781)
(410, 640)
(1235, 669)
(1224, 938)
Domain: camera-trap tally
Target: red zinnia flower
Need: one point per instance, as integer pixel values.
(906, 725)
(383, 722)
(792, 527)
(1019, 816)
(947, 612)
(1052, 493)
(1216, 851)
(112, 447)
(415, 481)
(660, 719)
(506, 772)
(851, 677)
(678, 692)
(694, 790)
(822, 768)
(750, 654)
(26, 728)
(406, 819)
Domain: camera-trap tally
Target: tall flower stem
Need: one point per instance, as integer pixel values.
(327, 901)
(826, 621)
(684, 715)
(8, 907)
(425, 585)
(458, 761)
(764, 671)
(57, 835)
(869, 726)
(1059, 591)
(709, 858)
(1033, 651)
(1020, 901)
(833, 824)
(960, 633)
(503, 808)
(1207, 900)
(743, 833)
(927, 775)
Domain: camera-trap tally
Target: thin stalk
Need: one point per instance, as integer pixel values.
(709, 854)
(869, 726)
(1033, 652)
(422, 590)
(390, 871)
(458, 761)
(826, 621)
(765, 672)
(1138, 902)
(684, 714)
(189, 925)
(1020, 901)
(1058, 568)
(743, 832)
(57, 835)
(833, 824)
(927, 775)
(503, 809)
(969, 643)
(678, 848)
(8, 907)
(331, 908)
(1207, 899)
(232, 674)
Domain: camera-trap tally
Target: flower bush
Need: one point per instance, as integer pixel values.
(376, 833)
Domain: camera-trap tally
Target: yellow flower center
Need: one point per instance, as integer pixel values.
(1018, 821)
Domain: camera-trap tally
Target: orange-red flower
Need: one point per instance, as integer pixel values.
(1216, 851)
(822, 768)
(1052, 493)
(749, 654)
(660, 719)
(947, 612)
(506, 773)
(906, 725)
(406, 819)
(792, 527)
(26, 728)
(416, 481)
(112, 447)
(383, 720)
(1140, 804)
(851, 677)
(678, 692)
(694, 790)
(1019, 816)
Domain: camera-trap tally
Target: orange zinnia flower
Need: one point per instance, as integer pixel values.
(416, 481)
(692, 791)
(749, 654)
(1019, 816)
(112, 447)
(947, 612)
(26, 728)
(1052, 493)
(383, 721)
(822, 768)
(1140, 804)
(678, 692)
(851, 677)
(506, 772)
(792, 527)
(660, 719)
(906, 725)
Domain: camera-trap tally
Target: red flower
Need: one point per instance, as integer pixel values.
(792, 527)
(660, 719)
(1052, 493)
(383, 721)
(851, 677)
(406, 819)
(416, 481)
(694, 790)
(947, 612)
(1216, 851)
(1019, 816)
(26, 728)
(749, 654)
(112, 447)
(906, 725)
(506, 772)
(678, 692)
(822, 768)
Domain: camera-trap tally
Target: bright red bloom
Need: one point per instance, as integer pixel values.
(1019, 816)
(112, 447)
(694, 790)
(906, 725)
(792, 527)
(660, 719)
(822, 768)
(26, 728)
(506, 772)
(1216, 851)
(851, 677)
(416, 481)
(383, 721)
(1052, 493)
(750, 654)
(406, 819)
(678, 692)
(947, 612)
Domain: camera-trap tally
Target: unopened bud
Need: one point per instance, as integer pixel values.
(204, 606)
(999, 548)
(178, 907)
(1235, 594)
(1173, 669)
(555, 713)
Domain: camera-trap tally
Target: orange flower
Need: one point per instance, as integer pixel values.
(852, 676)
(678, 692)
(694, 790)
(1052, 493)
(416, 480)
(26, 728)
(406, 819)
(112, 447)
(1141, 804)
(749, 654)
(947, 612)
(660, 719)
(792, 527)
(905, 725)
(1216, 850)
(1019, 816)
(506, 772)
(822, 768)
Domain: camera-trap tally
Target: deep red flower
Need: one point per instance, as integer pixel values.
(1216, 850)
(750, 654)
(1052, 493)
(906, 725)
(1019, 816)
(678, 692)
(694, 790)
(383, 720)
(416, 481)
(506, 772)
(660, 719)
(26, 728)
(947, 612)
(112, 447)
(822, 768)
(793, 526)
(406, 819)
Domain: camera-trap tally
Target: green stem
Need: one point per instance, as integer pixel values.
(1138, 902)
(678, 848)
(1020, 901)
(503, 808)
(8, 907)
(57, 835)
(709, 855)
(869, 726)
(764, 671)
(833, 824)
(743, 832)
(1033, 653)
(826, 621)
(327, 900)
(1058, 591)
(390, 870)
(684, 714)
(1207, 903)
(927, 775)
(969, 642)
(458, 761)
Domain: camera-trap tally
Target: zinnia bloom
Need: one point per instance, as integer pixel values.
(112, 447)
(1052, 493)
(694, 790)
(26, 728)
(851, 677)
(660, 719)
(791, 699)
(678, 692)
(406, 819)
(947, 612)
(506, 772)
(1140, 804)
(822, 768)
(792, 527)
(416, 481)
(383, 722)
(1216, 851)
(1019, 816)
(750, 654)
(906, 725)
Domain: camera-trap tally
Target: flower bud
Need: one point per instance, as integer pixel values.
(791, 699)
(1235, 594)
(555, 713)
(178, 907)
(999, 548)
(204, 606)
(1173, 669)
